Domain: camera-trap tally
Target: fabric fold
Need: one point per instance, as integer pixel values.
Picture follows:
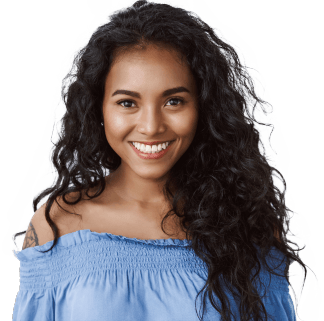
(101, 276)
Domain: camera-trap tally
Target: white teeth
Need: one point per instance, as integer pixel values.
(150, 149)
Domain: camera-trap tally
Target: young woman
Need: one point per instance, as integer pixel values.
(188, 213)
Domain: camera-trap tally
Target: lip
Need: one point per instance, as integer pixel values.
(153, 143)
(149, 155)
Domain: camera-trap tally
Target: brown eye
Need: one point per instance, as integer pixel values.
(176, 99)
(127, 101)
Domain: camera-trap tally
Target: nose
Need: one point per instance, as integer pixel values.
(151, 121)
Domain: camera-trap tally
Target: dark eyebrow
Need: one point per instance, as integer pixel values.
(164, 94)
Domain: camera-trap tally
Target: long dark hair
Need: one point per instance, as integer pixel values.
(225, 183)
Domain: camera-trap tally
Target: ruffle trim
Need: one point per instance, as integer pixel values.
(81, 236)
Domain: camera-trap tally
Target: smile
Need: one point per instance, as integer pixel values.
(144, 148)
(151, 151)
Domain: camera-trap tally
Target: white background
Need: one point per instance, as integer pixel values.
(39, 177)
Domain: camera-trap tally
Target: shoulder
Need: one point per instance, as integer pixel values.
(39, 231)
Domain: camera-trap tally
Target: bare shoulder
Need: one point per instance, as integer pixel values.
(39, 231)
(35, 234)
(31, 238)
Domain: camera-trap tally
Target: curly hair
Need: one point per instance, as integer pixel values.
(230, 201)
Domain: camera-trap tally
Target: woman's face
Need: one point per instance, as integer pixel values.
(150, 113)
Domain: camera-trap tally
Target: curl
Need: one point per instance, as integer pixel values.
(225, 197)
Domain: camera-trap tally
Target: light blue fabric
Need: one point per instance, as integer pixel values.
(91, 276)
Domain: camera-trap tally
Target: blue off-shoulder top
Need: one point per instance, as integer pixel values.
(90, 276)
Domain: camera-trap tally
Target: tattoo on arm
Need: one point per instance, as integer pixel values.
(31, 238)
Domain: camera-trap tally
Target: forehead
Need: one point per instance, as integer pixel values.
(151, 67)
(150, 52)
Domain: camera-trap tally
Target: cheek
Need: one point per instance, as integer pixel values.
(116, 127)
(116, 120)
(186, 124)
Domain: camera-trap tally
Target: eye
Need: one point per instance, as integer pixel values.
(131, 101)
(128, 101)
(176, 99)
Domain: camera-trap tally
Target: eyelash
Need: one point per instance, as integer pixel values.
(173, 98)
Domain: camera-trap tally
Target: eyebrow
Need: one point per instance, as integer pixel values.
(164, 94)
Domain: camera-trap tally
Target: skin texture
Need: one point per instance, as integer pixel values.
(152, 117)
(31, 238)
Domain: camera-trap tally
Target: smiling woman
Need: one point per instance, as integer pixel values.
(151, 119)
(189, 206)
